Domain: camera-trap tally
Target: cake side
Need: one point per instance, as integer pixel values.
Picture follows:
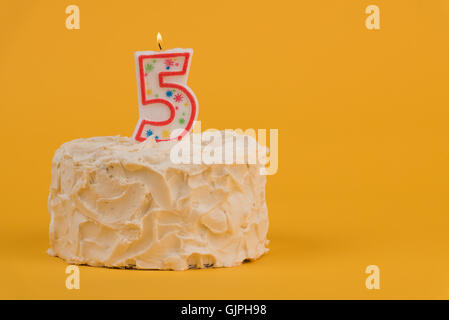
(118, 203)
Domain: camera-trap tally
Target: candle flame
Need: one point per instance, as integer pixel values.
(159, 40)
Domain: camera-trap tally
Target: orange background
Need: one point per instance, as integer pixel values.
(363, 137)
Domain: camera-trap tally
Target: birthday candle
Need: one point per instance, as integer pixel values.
(167, 107)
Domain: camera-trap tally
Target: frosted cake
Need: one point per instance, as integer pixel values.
(116, 202)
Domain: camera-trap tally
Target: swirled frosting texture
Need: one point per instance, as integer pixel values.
(115, 202)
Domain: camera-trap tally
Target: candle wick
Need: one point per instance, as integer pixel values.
(160, 48)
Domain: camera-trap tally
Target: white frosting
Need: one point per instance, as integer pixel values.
(115, 202)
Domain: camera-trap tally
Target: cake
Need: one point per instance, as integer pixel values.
(116, 202)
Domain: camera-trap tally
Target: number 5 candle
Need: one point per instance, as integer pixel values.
(167, 107)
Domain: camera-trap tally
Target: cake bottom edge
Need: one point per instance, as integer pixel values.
(85, 262)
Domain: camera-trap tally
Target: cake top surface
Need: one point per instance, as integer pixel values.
(97, 150)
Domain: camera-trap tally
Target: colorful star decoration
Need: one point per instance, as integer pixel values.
(169, 62)
(178, 97)
(149, 67)
(165, 133)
